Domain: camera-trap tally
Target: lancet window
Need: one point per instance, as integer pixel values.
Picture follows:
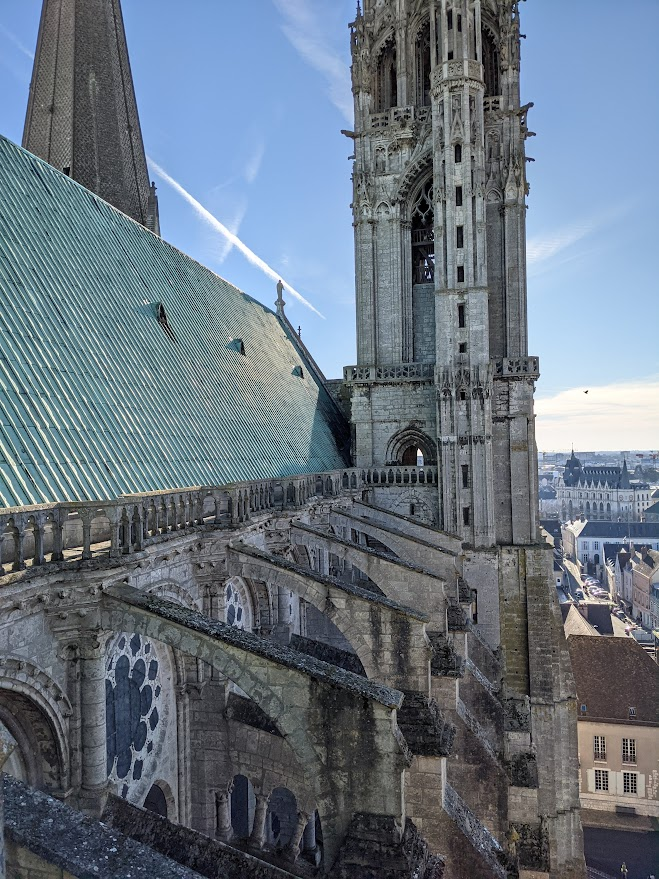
(387, 79)
(423, 236)
(422, 62)
(490, 65)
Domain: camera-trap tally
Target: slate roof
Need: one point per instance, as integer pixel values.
(575, 624)
(613, 675)
(98, 397)
(652, 512)
(618, 530)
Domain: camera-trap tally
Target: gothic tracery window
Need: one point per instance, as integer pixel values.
(490, 65)
(422, 62)
(423, 236)
(387, 79)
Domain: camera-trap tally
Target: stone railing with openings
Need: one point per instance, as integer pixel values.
(32, 536)
(388, 373)
(517, 366)
(399, 116)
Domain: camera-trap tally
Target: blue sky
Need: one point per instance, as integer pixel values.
(242, 105)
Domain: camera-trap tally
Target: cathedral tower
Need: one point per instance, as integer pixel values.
(82, 113)
(439, 216)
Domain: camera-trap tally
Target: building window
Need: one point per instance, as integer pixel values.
(423, 66)
(465, 476)
(461, 274)
(632, 712)
(629, 750)
(387, 77)
(449, 19)
(596, 544)
(423, 236)
(585, 545)
(460, 236)
(458, 153)
(599, 747)
(458, 196)
(466, 516)
(630, 783)
(462, 348)
(490, 65)
(461, 316)
(601, 779)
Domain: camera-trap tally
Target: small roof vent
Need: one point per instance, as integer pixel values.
(297, 370)
(161, 317)
(237, 345)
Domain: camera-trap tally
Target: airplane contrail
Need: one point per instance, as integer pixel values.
(228, 234)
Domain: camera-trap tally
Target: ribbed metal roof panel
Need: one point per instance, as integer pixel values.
(97, 398)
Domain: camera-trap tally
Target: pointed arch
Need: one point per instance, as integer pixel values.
(411, 437)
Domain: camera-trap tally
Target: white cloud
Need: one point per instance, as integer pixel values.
(225, 246)
(304, 31)
(544, 247)
(620, 415)
(19, 45)
(253, 165)
(215, 224)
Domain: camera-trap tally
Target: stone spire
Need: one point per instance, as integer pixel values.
(82, 113)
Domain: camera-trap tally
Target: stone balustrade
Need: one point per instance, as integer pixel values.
(522, 366)
(390, 372)
(80, 530)
(401, 116)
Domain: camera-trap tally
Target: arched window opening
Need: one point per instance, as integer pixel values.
(387, 79)
(423, 236)
(242, 806)
(412, 457)
(156, 801)
(490, 65)
(282, 817)
(422, 59)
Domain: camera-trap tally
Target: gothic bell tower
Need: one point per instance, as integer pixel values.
(439, 218)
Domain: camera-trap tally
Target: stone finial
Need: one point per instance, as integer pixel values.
(280, 299)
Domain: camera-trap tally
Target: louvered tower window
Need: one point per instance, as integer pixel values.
(423, 236)
(422, 58)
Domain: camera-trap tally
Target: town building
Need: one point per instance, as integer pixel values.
(618, 724)
(584, 539)
(602, 493)
(231, 596)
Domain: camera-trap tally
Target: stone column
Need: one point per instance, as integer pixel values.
(223, 828)
(257, 836)
(93, 734)
(309, 844)
(86, 519)
(292, 850)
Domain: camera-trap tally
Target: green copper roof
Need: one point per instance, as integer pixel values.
(120, 358)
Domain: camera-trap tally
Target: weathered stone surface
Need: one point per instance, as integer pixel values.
(377, 848)
(524, 770)
(426, 731)
(248, 712)
(327, 653)
(446, 661)
(207, 857)
(79, 845)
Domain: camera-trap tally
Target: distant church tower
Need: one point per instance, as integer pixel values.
(82, 114)
(439, 217)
